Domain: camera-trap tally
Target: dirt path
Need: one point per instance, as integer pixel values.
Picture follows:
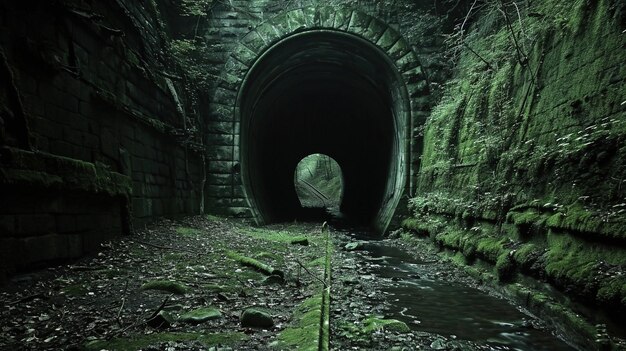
(133, 294)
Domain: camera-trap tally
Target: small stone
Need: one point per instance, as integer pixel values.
(255, 318)
(353, 246)
(438, 344)
(274, 279)
(201, 315)
(373, 324)
(397, 326)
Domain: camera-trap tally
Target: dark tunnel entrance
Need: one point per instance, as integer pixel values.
(324, 92)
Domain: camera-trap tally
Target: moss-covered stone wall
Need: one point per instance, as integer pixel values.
(524, 155)
(94, 130)
(225, 36)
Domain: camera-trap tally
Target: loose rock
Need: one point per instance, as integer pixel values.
(256, 318)
(201, 315)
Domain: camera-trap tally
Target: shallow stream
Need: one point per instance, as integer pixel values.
(428, 302)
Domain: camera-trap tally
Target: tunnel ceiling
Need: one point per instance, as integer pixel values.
(323, 92)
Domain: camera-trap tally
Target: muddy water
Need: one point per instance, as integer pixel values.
(432, 304)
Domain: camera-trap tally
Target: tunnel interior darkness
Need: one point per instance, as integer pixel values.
(324, 92)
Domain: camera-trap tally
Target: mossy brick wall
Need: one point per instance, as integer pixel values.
(524, 156)
(223, 32)
(85, 82)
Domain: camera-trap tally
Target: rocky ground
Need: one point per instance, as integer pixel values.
(211, 283)
(177, 285)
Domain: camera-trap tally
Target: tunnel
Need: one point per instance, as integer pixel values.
(328, 92)
(319, 183)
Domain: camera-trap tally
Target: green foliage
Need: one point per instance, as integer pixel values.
(183, 47)
(190, 55)
(195, 7)
(528, 217)
(526, 256)
(419, 226)
(505, 267)
(496, 128)
(613, 291)
(323, 173)
(574, 218)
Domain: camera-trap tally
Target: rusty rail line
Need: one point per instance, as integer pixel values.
(316, 192)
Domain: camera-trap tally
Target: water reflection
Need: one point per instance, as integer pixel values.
(452, 309)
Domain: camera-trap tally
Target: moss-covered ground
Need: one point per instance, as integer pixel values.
(198, 273)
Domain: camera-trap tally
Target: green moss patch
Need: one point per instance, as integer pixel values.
(276, 236)
(573, 218)
(361, 333)
(186, 231)
(214, 218)
(375, 323)
(591, 271)
(255, 317)
(304, 333)
(201, 315)
(255, 264)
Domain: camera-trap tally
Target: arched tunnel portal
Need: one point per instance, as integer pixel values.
(325, 92)
(324, 80)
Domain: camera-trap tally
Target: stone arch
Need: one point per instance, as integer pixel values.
(331, 25)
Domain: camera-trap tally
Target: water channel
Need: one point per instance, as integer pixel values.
(428, 303)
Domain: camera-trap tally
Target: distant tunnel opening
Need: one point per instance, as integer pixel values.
(324, 92)
(319, 183)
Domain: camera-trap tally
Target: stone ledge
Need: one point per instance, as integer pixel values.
(28, 169)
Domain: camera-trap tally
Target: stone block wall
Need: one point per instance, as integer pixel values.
(94, 132)
(229, 27)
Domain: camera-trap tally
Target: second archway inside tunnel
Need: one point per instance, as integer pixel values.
(318, 181)
(332, 93)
